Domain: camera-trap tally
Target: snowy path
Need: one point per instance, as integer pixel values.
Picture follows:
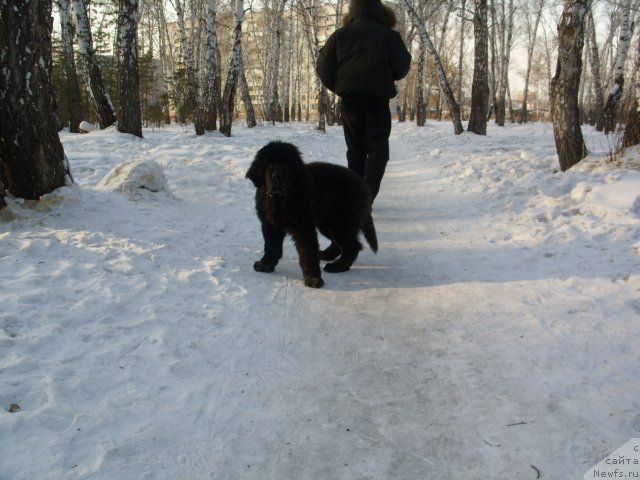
(495, 335)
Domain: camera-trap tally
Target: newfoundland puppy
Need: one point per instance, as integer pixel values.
(296, 198)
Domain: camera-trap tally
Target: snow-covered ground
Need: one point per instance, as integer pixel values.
(495, 335)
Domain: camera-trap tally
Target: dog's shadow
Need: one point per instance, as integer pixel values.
(400, 267)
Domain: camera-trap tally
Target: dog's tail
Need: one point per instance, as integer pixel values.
(369, 231)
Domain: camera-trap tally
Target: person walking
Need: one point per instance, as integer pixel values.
(360, 62)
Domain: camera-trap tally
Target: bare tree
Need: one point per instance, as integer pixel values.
(130, 115)
(159, 37)
(235, 68)
(463, 24)
(632, 128)
(565, 83)
(289, 72)
(188, 59)
(445, 11)
(480, 86)
(420, 87)
(611, 106)
(309, 9)
(99, 95)
(275, 108)
(442, 76)
(246, 99)
(73, 86)
(32, 160)
(532, 32)
(598, 101)
(506, 36)
(212, 69)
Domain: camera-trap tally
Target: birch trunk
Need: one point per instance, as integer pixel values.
(440, 42)
(130, 115)
(288, 68)
(463, 22)
(311, 19)
(598, 101)
(565, 84)
(480, 86)
(505, 52)
(192, 81)
(611, 106)
(275, 108)
(533, 32)
(420, 104)
(73, 86)
(495, 60)
(228, 97)
(632, 128)
(32, 160)
(99, 95)
(212, 68)
(444, 82)
(246, 99)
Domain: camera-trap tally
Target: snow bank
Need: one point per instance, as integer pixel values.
(494, 335)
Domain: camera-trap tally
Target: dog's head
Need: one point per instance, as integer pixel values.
(278, 167)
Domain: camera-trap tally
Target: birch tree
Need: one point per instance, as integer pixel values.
(130, 115)
(275, 108)
(310, 15)
(532, 32)
(454, 108)
(506, 36)
(598, 101)
(228, 97)
(420, 87)
(189, 63)
(463, 25)
(158, 30)
(246, 99)
(480, 86)
(73, 86)
(440, 46)
(99, 96)
(32, 160)
(632, 128)
(565, 84)
(289, 71)
(420, 101)
(611, 106)
(212, 68)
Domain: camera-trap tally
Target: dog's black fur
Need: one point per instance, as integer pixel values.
(296, 198)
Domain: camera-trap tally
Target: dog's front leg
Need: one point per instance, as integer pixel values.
(306, 240)
(273, 238)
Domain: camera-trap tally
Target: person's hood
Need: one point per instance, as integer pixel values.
(372, 10)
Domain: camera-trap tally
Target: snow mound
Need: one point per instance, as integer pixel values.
(134, 177)
(87, 127)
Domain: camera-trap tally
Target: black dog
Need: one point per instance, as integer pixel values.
(296, 198)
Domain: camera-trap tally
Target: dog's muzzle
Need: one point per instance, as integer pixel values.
(276, 186)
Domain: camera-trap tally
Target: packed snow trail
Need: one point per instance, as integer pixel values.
(494, 335)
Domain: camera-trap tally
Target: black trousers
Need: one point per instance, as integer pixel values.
(366, 122)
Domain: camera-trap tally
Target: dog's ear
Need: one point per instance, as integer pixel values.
(258, 168)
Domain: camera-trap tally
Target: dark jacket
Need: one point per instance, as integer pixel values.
(366, 56)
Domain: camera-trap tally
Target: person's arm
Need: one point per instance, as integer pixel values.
(327, 64)
(400, 57)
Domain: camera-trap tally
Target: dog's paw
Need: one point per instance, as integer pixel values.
(265, 267)
(330, 253)
(337, 267)
(314, 282)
